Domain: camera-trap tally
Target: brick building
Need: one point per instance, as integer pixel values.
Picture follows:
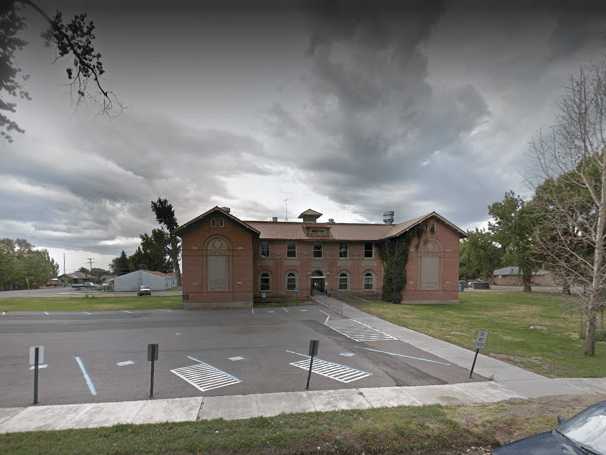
(228, 262)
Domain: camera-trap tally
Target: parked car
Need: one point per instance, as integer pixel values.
(143, 290)
(584, 434)
(479, 284)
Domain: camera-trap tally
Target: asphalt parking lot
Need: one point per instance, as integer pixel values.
(98, 357)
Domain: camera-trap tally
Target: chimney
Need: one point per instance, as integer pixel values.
(274, 219)
(331, 220)
(226, 209)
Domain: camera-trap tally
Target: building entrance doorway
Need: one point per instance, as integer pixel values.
(318, 283)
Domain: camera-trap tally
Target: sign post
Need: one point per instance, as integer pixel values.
(152, 356)
(480, 342)
(313, 351)
(36, 356)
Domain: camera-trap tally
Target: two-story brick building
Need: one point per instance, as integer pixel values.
(228, 262)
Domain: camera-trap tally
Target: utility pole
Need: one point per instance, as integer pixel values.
(64, 263)
(90, 262)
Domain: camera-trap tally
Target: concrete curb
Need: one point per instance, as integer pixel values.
(233, 407)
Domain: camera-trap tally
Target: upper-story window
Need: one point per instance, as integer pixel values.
(368, 249)
(264, 248)
(343, 250)
(317, 250)
(217, 221)
(291, 249)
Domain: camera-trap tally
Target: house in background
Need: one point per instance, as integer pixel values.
(73, 278)
(510, 276)
(229, 262)
(156, 281)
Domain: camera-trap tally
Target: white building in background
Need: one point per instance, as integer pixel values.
(156, 281)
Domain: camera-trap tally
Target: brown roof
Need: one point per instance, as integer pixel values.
(282, 230)
(343, 231)
(213, 210)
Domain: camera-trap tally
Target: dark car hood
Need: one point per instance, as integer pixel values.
(549, 443)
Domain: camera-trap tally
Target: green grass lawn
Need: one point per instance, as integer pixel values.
(428, 430)
(536, 331)
(90, 303)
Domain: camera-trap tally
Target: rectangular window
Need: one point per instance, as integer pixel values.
(430, 272)
(343, 251)
(368, 250)
(368, 280)
(264, 249)
(291, 282)
(291, 249)
(264, 284)
(343, 281)
(317, 250)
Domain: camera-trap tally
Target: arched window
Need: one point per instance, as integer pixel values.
(369, 280)
(265, 281)
(343, 281)
(291, 281)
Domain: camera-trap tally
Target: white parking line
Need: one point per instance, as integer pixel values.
(89, 382)
(46, 313)
(45, 365)
(327, 316)
(285, 309)
(126, 311)
(302, 309)
(236, 358)
(125, 363)
(205, 377)
(358, 331)
(341, 373)
(88, 313)
(409, 357)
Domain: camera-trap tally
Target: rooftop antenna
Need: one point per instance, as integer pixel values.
(285, 209)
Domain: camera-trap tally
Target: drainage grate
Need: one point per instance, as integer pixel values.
(358, 331)
(341, 373)
(205, 377)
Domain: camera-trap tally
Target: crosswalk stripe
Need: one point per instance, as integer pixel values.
(205, 377)
(341, 373)
(358, 331)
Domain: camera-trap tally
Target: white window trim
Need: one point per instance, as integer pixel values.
(313, 250)
(368, 272)
(295, 243)
(296, 281)
(348, 281)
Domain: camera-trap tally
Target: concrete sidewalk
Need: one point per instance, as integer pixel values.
(233, 407)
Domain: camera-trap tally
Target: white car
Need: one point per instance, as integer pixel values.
(143, 290)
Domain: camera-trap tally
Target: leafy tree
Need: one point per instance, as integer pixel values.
(512, 227)
(480, 255)
(73, 40)
(23, 267)
(120, 265)
(165, 215)
(152, 253)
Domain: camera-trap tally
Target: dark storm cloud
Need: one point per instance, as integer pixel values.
(380, 132)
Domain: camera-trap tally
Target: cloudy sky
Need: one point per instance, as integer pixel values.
(349, 110)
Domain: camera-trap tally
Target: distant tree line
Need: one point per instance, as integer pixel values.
(23, 267)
